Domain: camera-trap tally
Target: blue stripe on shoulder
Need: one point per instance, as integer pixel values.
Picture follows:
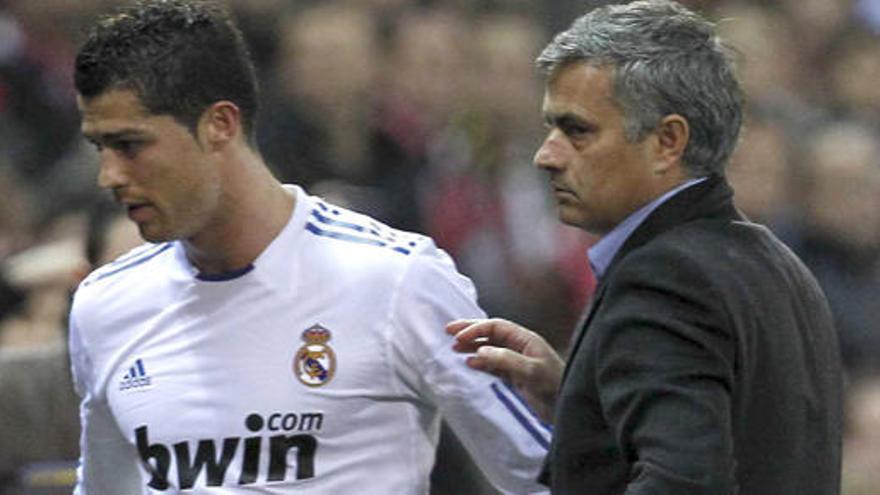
(130, 263)
(339, 223)
(136, 252)
(520, 417)
(314, 229)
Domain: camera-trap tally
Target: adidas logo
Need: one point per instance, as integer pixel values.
(136, 377)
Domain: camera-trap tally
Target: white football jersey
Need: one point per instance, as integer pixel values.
(322, 368)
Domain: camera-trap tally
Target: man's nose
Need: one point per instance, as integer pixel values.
(111, 173)
(551, 153)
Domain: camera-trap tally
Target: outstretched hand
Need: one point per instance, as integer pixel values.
(514, 354)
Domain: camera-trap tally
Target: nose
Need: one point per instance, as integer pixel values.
(551, 153)
(111, 174)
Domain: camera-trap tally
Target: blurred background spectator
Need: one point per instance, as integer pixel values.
(840, 240)
(425, 113)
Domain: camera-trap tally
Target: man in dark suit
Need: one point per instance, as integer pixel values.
(707, 362)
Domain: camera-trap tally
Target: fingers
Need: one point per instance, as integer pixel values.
(514, 354)
(470, 335)
(456, 326)
(503, 363)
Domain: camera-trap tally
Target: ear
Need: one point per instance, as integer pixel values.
(220, 124)
(673, 134)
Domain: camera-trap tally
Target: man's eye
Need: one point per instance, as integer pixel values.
(128, 148)
(575, 130)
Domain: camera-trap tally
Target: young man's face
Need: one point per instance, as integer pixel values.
(598, 177)
(153, 165)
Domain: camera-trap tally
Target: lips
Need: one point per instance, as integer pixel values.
(137, 211)
(558, 189)
(131, 204)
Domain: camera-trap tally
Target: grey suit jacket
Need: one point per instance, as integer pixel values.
(708, 364)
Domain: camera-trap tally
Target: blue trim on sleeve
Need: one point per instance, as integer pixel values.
(528, 408)
(524, 421)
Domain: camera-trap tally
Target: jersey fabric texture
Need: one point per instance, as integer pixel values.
(323, 368)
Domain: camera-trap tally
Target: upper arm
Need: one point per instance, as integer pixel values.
(504, 438)
(431, 294)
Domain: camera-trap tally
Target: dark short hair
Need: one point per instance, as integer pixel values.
(179, 56)
(665, 60)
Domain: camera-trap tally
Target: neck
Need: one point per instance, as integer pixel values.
(254, 208)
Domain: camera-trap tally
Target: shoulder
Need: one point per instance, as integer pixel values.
(707, 244)
(357, 241)
(713, 262)
(678, 287)
(129, 275)
(128, 264)
(361, 251)
(694, 261)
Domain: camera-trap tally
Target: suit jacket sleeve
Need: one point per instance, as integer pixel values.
(665, 374)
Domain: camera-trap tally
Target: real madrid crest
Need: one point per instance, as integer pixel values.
(315, 362)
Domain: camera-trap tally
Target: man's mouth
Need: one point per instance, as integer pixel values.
(557, 189)
(138, 212)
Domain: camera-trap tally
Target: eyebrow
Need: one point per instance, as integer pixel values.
(566, 118)
(109, 137)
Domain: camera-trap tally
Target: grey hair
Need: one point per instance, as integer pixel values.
(665, 60)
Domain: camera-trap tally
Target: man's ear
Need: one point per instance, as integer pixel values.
(672, 134)
(220, 124)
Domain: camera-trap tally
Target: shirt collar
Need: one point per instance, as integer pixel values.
(601, 253)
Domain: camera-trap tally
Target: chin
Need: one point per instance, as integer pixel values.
(571, 216)
(580, 221)
(152, 235)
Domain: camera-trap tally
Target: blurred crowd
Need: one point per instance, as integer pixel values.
(425, 114)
